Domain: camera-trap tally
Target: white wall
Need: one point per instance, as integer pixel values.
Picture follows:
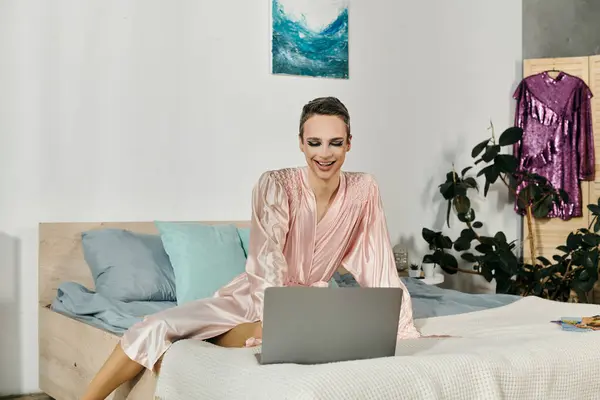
(146, 110)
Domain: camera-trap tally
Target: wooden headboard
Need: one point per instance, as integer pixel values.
(61, 256)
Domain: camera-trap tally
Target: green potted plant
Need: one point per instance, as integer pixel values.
(569, 276)
(414, 271)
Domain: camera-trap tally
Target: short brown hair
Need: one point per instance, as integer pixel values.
(324, 106)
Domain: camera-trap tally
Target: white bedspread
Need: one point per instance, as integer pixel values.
(511, 352)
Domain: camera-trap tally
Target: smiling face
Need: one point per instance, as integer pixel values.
(325, 142)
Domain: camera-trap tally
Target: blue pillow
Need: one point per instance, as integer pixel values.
(204, 257)
(128, 266)
(245, 238)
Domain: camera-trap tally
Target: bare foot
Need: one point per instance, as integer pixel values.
(238, 336)
(256, 338)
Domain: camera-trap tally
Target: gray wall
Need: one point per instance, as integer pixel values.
(561, 28)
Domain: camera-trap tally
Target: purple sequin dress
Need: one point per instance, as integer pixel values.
(558, 142)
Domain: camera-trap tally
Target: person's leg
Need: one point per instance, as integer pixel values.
(184, 321)
(117, 369)
(237, 336)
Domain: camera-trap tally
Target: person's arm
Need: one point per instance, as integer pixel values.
(371, 259)
(266, 265)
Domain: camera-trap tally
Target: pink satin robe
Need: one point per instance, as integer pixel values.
(287, 247)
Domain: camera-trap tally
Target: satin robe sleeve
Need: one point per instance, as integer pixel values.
(585, 138)
(371, 261)
(266, 265)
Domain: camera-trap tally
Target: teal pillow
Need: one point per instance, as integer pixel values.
(204, 257)
(245, 238)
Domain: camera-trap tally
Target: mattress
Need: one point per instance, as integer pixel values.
(509, 352)
(76, 301)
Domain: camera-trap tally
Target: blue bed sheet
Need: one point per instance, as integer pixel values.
(433, 301)
(76, 301)
(116, 316)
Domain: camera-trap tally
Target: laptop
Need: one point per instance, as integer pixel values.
(311, 325)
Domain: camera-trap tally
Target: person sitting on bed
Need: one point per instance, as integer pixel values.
(306, 222)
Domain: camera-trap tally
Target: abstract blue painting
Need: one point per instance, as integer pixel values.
(310, 38)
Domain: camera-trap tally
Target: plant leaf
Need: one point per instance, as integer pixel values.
(591, 239)
(486, 187)
(542, 207)
(594, 208)
(484, 248)
(447, 190)
(487, 274)
(479, 148)
(462, 244)
(477, 224)
(510, 136)
(462, 204)
(504, 282)
(582, 284)
(446, 242)
(506, 163)
(448, 262)
(429, 259)
(490, 153)
(544, 260)
(468, 234)
(428, 235)
(465, 170)
(471, 183)
(468, 257)
(500, 236)
(573, 241)
(564, 196)
(442, 242)
(528, 194)
(466, 217)
(491, 175)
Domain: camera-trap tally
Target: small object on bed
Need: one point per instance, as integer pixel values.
(579, 324)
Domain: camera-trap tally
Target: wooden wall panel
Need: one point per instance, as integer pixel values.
(594, 84)
(576, 66)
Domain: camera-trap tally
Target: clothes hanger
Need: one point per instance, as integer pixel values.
(553, 73)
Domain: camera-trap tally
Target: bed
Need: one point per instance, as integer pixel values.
(74, 344)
